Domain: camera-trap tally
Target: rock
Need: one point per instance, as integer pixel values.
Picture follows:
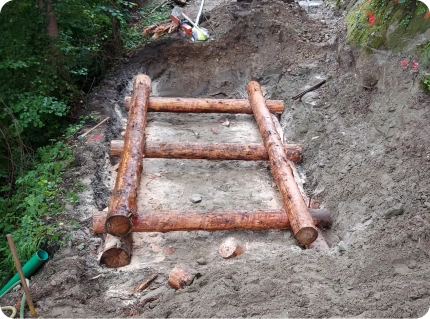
(53, 283)
(196, 198)
(396, 210)
(311, 99)
(81, 246)
(201, 261)
(342, 246)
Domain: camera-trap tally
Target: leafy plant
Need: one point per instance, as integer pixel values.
(39, 195)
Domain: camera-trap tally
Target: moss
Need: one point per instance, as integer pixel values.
(385, 23)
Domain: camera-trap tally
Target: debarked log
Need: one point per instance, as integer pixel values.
(116, 250)
(201, 105)
(190, 220)
(210, 151)
(123, 204)
(298, 214)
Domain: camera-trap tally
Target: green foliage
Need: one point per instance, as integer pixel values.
(426, 82)
(150, 14)
(27, 213)
(386, 23)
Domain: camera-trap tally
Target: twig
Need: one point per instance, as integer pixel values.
(316, 86)
(146, 283)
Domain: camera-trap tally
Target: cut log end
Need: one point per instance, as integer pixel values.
(115, 257)
(230, 248)
(116, 251)
(306, 235)
(118, 225)
(181, 276)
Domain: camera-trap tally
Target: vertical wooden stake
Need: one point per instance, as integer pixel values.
(21, 276)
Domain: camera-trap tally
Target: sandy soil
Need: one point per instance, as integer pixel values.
(367, 159)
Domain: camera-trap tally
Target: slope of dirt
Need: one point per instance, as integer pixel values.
(366, 158)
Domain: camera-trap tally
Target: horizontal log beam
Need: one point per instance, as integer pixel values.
(210, 151)
(201, 105)
(189, 220)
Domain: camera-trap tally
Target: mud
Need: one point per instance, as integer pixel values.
(366, 158)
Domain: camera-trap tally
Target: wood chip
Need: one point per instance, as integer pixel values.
(146, 283)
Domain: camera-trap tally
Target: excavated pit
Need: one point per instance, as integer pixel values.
(366, 158)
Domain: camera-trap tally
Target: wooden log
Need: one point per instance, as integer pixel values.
(189, 220)
(123, 205)
(298, 214)
(231, 247)
(117, 251)
(210, 151)
(202, 105)
(181, 276)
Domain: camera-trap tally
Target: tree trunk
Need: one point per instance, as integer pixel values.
(52, 26)
(123, 205)
(298, 214)
(210, 151)
(189, 220)
(202, 105)
(116, 251)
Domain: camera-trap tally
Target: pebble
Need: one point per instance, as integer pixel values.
(202, 261)
(196, 198)
(342, 246)
(53, 283)
(396, 210)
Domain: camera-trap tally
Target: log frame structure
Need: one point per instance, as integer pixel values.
(301, 221)
(122, 218)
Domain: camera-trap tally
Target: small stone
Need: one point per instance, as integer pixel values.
(289, 70)
(97, 286)
(53, 283)
(342, 246)
(196, 198)
(396, 210)
(412, 264)
(81, 246)
(202, 261)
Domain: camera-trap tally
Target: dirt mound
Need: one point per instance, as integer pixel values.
(366, 159)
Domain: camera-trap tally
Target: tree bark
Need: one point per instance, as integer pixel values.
(123, 204)
(116, 251)
(298, 214)
(189, 220)
(210, 151)
(201, 105)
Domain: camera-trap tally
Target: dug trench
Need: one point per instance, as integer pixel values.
(366, 158)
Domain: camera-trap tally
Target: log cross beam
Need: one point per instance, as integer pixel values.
(298, 214)
(123, 202)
